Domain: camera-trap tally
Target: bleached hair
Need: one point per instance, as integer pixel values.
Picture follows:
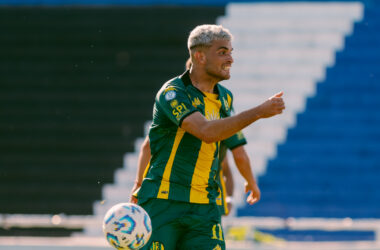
(204, 35)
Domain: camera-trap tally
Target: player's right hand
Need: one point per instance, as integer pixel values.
(273, 106)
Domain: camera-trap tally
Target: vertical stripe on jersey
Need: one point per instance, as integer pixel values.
(219, 199)
(163, 192)
(223, 193)
(206, 156)
(181, 177)
(199, 182)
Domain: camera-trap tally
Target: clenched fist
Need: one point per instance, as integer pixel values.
(273, 106)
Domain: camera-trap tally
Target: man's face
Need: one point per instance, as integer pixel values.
(219, 60)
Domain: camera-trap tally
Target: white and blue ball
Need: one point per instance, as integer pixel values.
(127, 226)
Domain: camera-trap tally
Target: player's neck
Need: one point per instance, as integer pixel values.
(202, 81)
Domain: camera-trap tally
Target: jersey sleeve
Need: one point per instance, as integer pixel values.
(235, 141)
(175, 103)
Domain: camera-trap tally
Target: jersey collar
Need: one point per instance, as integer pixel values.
(185, 77)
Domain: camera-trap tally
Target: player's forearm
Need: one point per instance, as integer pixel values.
(219, 130)
(246, 172)
(228, 179)
(243, 164)
(140, 174)
(143, 161)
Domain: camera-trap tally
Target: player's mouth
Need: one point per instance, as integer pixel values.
(226, 67)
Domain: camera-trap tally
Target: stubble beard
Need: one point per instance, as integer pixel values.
(217, 75)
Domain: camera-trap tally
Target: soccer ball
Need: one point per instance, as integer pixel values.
(127, 226)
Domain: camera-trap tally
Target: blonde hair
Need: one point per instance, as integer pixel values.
(204, 35)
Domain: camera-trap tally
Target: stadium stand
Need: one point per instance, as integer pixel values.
(333, 140)
(77, 85)
(282, 47)
(328, 165)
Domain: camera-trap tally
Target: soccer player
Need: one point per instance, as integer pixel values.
(224, 177)
(191, 115)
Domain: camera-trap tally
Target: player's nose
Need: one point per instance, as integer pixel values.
(230, 59)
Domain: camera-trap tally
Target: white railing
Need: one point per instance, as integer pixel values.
(346, 224)
(239, 231)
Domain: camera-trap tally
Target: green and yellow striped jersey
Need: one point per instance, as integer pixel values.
(182, 167)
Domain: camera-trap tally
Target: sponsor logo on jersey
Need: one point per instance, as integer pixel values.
(180, 110)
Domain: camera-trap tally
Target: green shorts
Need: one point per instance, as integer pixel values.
(182, 225)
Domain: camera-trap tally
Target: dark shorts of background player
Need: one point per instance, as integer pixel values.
(182, 225)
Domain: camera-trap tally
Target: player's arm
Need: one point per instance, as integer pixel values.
(227, 175)
(243, 164)
(228, 181)
(217, 130)
(142, 164)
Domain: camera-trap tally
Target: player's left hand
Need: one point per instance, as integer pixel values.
(229, 207)
(132, 198)
(254, 195)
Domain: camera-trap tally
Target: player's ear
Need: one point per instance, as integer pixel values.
(200, 56)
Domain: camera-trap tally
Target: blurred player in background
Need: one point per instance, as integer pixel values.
(191, 115)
